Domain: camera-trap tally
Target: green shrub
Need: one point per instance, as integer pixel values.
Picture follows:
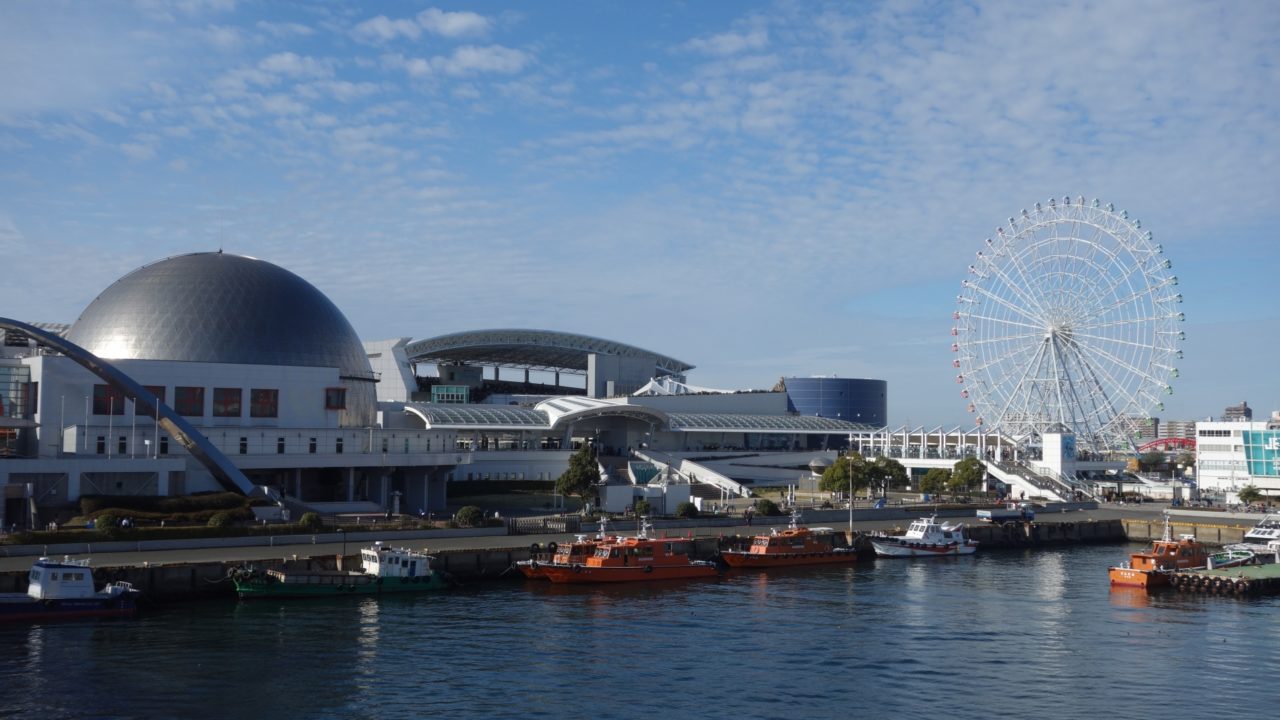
(686, 510)
(469, 516)
(221, 520)
(643, 507)
(310, 521)
(767, 507)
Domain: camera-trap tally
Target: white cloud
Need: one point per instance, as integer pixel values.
(490, 59)
(384, 29)
(138, 151)
(292, 65)
(453, 24)
(731, 43)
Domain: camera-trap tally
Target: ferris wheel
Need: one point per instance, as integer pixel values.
(1069, 316)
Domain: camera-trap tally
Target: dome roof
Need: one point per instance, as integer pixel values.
(219, 308)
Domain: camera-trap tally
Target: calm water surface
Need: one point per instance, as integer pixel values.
(997, 634)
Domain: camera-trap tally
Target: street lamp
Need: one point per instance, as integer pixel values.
(850, 459)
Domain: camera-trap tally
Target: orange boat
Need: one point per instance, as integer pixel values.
(569, 554)
(634, 559)
(795, 545)
(1152, 568)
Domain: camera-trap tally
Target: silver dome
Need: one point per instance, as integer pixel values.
(221, 308)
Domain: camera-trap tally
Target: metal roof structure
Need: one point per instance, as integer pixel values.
(560, 412)
(533, 350)
(725, 422)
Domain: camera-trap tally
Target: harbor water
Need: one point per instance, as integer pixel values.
(999, 634)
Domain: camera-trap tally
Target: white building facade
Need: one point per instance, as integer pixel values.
(1233, 455)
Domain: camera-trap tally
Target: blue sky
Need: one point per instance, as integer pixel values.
(761, 189)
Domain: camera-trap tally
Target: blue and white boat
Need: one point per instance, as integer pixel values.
(58, 590)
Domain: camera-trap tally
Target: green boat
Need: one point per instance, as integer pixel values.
(383, 570)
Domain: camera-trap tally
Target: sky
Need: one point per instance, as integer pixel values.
(761, 189)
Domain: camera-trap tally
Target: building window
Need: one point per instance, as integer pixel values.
(337, 446)
(122, 446)
(335, 399)
(406, 446)
(264, 403)
(311, 446)
(244, 446)
(164, 444)
(107, 400)
(102, 445)
(226, 402)
(157, 390)
(279, 446)
(189, 401)
(385, 443)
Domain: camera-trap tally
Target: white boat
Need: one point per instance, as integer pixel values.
(1267, 530)
(926, 538)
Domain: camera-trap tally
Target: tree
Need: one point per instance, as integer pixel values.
(1150, 461)
(469, 516)
(967, 475)
(1250, 495)
(582, 476)
(885, 472)
(836, 477)
(686, 510)
(935, 481)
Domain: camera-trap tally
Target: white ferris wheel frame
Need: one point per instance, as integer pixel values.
(1068, 317)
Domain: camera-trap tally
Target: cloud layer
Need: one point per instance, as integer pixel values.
(791, 189)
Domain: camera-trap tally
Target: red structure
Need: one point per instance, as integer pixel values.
(1168, 444)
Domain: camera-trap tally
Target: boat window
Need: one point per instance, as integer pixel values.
(613, 553)
(53, 576)
(35, 575)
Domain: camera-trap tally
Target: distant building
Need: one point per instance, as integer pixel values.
(1143, 427)
(1179, 429)
(1231, 455)
(1238, 413)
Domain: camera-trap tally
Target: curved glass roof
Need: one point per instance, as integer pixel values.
(533, 349)
(495, 416)
(725, 422)
(556, 412)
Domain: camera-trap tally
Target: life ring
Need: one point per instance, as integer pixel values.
(648, 568)
(551, 547)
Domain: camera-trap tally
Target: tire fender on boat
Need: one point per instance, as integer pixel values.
(534, 549)
(648, 568)
(551, 547)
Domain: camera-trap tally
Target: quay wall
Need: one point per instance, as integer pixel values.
(188, 580)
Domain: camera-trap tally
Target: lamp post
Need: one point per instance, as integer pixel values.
(343, 558)
(850, 459)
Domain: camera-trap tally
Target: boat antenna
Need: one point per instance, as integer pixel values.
(1168, 529)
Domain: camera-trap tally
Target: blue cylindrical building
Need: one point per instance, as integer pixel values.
(852, 399)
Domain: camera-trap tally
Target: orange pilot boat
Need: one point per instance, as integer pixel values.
(1153, 568)
(568, 554)
(634, 559)
(795, 545)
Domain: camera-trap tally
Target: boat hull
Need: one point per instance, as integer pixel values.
(1145, 579)
(329, 586)
(531, 570)
(740, 559)
(907, 549)
(27, 609)
(582, 574)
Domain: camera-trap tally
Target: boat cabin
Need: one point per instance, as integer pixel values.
(641, 551)
(929, 529)
(1267, 530)
(66, 580)
(382, 561)
(1166, 554)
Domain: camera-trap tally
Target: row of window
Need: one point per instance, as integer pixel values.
(122, 447)
(227, 402)
(1214, 433)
